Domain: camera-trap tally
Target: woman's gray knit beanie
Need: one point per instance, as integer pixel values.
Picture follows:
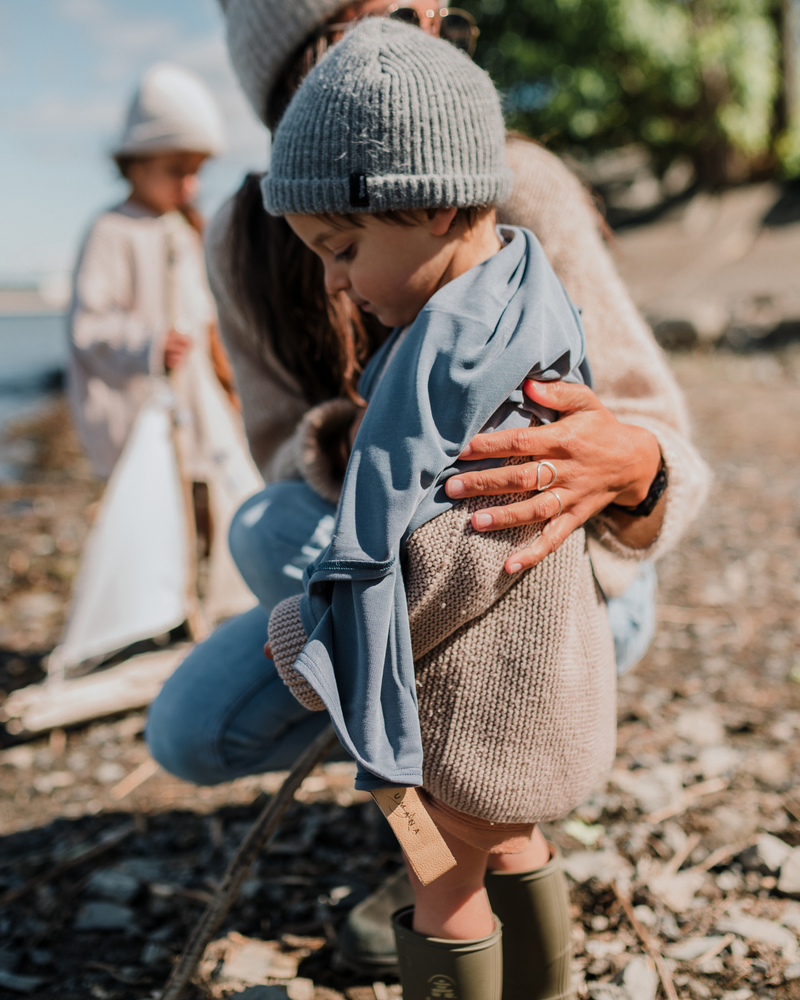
(391, 118)
(262, 37)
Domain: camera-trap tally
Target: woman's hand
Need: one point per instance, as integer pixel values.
(599, 460)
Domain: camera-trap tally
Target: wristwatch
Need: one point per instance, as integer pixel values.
(657, 489)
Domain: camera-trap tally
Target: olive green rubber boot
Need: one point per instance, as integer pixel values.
(438, 969)
(366, 941)
(537, 944)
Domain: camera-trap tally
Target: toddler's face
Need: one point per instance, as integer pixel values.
(387, 269)
(166, 181)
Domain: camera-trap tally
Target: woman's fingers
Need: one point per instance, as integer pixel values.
(541, 507)
(506, 479)
(565, 397)
(514, 443)
(551, 538)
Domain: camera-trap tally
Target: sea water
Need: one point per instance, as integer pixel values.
(33, 357)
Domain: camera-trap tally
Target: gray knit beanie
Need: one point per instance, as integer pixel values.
(391, 118)
(263, 35)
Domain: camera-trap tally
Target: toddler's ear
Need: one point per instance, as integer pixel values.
(441, 219)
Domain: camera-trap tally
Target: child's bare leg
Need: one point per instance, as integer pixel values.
(455, 906)
(535, 855)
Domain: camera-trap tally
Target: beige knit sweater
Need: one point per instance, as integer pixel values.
(630, 372)
(515, 674)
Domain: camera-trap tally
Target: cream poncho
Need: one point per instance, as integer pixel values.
(127, 295)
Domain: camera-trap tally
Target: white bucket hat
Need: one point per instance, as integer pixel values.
(264, 34)
(172, 110)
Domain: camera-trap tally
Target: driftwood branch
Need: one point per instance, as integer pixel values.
(254, 842)
(648, 944)
(57, 704)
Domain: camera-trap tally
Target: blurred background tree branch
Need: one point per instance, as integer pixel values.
(709, 84)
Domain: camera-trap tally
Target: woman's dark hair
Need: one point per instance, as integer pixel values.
(321, 340)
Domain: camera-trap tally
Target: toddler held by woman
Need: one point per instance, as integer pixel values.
(490, 692)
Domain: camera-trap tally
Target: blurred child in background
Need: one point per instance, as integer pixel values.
(141, 303)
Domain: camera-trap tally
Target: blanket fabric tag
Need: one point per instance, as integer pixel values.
(419, 836)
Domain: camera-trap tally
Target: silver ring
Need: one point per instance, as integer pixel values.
(560, 507)
(552, 468)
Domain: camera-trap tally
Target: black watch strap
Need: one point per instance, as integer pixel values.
(657, 490)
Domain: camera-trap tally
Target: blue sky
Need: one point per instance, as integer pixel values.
(67, 71)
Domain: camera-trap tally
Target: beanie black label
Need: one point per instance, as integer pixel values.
(359, 196)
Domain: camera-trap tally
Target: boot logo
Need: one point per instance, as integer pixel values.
(442, 988)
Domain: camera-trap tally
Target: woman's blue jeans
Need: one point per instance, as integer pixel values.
(225, 713)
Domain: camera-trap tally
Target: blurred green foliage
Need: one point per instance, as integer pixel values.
(698, 78)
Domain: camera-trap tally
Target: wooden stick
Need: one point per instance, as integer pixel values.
(723, 854)
(648, 944)
(680, 856)
(254, 842)
(138, 777)
(195, 619)
(715, 949)
(89, 855)
(689, 797)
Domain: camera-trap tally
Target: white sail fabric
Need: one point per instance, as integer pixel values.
(232, 478)
(132, 582)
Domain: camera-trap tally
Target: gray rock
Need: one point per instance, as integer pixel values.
(108, 883)
(653, 788)
(676, 891)
(19, 984)
(105, 917)
(714, 761)
(766, 855)
(703, 728)
(730, 824)
(154, 953)
(9, 960)
(729, 881)
(639, 980)
(607, 991)
(109, 772)
(791, 917)
(261, 993)
(40, 956)
(771, 767)
(789, 879)
(711, 967)
(645, 915)
(675, 334)
(792, 971)
(605, 866)
(698, 989)
(691, 948)
(143, 869)
(762, 931)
